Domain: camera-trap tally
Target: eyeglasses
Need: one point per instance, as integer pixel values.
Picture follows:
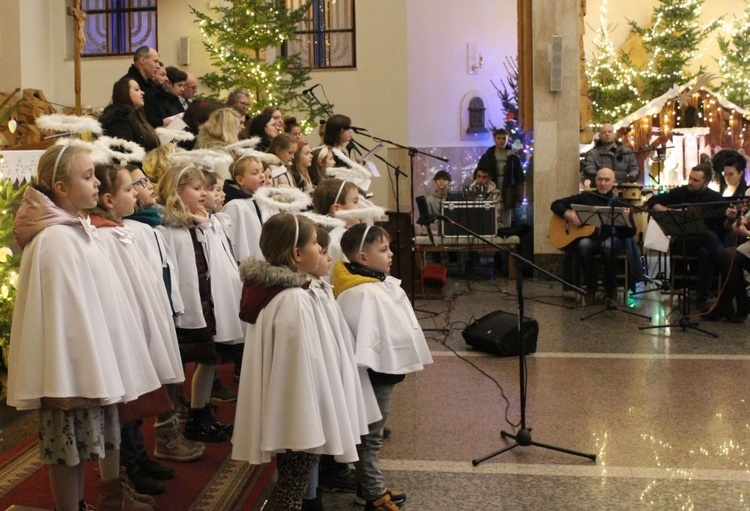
(144, 182)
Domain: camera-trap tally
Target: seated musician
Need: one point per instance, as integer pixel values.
(483, 188)
(608, 241)
(708, 248)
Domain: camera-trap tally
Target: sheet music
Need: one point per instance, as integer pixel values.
(602, 215)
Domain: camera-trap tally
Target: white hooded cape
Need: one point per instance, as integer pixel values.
(74, 333)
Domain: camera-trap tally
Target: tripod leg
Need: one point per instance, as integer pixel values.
(477, 461)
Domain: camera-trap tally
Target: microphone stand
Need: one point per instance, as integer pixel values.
(523, 436)
(325, 106)
(413, 151)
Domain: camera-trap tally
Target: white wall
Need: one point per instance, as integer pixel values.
(10, 52)
(437, 35)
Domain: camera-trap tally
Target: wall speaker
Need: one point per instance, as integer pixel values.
(497, 334)
(555, 63)
(183, 55)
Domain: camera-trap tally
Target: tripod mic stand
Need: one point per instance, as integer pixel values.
(683, 224)
(523, 436)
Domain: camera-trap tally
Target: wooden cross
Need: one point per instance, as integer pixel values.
(79, 41)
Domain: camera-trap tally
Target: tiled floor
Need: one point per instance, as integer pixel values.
(665, 412)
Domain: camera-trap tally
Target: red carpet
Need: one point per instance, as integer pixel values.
(215, 482)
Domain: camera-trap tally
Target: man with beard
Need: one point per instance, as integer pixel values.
(708, 248)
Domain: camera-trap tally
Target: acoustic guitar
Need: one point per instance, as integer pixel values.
(562, 233)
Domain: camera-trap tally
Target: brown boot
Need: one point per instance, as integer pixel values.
(114, 495)
(140, 497)
(172, 445)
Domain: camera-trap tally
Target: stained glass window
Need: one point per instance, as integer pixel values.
(118, 27)
(327, 38)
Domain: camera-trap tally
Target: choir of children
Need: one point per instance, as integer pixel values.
(156, 279)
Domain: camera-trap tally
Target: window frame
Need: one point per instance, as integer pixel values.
(122, 9)
(321, 36)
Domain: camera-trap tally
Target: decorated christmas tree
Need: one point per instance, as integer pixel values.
(522, 141)
(733, 63)
(611, 77)
(243, 38)
(672, 42)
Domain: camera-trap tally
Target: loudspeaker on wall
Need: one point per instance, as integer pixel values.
(183, 55)
(555, 63)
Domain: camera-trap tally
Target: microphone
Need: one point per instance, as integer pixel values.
(425, 218)
(359, 131)
(308, 91)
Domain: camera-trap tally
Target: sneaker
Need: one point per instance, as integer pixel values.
(397, 497)
(154, 469)
(223, 395)
(382, 503)
(172, 445)
(341, 482)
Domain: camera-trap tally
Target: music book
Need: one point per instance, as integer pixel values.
(599, 216)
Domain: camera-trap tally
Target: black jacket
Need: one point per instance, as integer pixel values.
(119, 121)
(513, 175)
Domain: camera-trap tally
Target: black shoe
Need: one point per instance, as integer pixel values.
(386, 432)
(154, 469)
(201, 426)
(315, 504)
(343, 481)
(718, 314)
(143, 483)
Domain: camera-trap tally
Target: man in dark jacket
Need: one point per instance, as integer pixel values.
(608, 241)
(504, 167)
(610, 154)
(709, 247)
(143, 70)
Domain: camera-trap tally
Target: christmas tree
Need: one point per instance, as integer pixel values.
(10, 260)
(240, 37)
(611, 78)
(672, 42)
(733, 63)
(522, 141)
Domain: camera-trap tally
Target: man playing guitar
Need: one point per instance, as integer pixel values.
(604, 241)
(708, 248)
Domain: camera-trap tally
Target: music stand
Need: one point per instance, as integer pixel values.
(608, 218)
(681, 223)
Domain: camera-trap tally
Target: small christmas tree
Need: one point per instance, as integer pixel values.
(239, 36)
(733, 63)
(672, 42)
(521, 141)
(611, 77)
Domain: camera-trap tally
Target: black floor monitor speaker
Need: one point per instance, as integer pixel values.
(497, 333)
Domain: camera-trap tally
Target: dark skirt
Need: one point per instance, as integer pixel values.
(197, 345)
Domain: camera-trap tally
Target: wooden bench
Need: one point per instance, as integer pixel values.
(422, 245)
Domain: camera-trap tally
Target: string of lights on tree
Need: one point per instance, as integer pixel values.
(10, 260)
(611, 77)
(733, 62)
(242, 38)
